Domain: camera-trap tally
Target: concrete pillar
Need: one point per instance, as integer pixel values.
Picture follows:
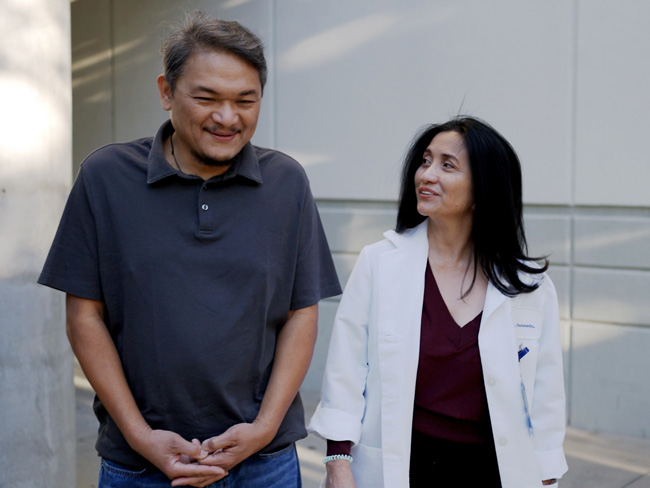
(37, 437)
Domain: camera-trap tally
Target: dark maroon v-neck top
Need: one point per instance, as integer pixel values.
(450, 401)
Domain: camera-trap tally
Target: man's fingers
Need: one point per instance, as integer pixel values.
(192, 449)
(216, 443)
(194, 471)
(196, 481)
(225, 459)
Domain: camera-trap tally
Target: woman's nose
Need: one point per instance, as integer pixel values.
(430, 174)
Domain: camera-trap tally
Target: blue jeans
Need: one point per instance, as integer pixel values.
(274, 470)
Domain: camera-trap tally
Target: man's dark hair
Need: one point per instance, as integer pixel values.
(498, 233)
(202, 32)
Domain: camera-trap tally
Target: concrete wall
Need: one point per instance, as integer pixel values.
(350, 82)
(37, 398)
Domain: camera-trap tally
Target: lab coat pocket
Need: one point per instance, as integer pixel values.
(367, 466)
(527, 322)
(528, 328)
(528, 365)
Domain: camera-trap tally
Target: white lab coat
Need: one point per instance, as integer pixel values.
(369, 382)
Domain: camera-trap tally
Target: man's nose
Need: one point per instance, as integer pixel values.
(224, 114)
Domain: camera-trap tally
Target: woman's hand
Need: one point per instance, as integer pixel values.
(339, 474)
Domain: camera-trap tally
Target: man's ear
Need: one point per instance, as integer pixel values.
(165, 92)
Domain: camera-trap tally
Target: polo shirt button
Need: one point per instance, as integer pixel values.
(205, 206)
(491, 382)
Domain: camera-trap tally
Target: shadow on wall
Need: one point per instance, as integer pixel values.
(348, 38)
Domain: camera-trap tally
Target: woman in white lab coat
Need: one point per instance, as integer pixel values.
(445, 364)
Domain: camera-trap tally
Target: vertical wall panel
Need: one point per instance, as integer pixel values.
(37, 398)
(613, 103)
(92, 77)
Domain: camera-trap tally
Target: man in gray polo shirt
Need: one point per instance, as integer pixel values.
(193, 263)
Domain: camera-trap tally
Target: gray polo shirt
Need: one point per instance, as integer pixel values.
(198, 278)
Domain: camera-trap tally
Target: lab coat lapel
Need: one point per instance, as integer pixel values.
(495, 333)
(493, 300)
(497, 343)
(400, 294)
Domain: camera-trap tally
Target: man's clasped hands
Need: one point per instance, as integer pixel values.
(199, 463)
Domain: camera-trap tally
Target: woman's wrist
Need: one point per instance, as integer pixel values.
(339, 475)
(338, 467)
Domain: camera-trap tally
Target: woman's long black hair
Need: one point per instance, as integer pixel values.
(498, 233)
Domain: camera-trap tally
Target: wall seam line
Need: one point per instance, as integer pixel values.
(572, 203)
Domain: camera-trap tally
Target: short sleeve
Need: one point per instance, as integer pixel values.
(72, 264)
(315, 276)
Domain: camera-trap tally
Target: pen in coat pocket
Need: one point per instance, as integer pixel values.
(522, 352)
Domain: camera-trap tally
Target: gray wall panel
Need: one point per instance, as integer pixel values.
(610, 381)
(617, 241)
(344, 264)
(92, 77)
(371, 75)
(612, 100)
(548, 233)
(612, 296)
(351, 226)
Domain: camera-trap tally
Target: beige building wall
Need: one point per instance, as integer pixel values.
(350, 82)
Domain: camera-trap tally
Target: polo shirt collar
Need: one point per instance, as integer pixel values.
(245, 165)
